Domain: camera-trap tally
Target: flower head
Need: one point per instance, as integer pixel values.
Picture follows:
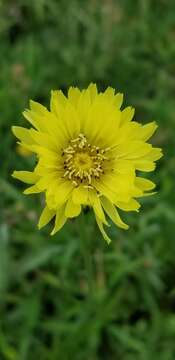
(88, 153)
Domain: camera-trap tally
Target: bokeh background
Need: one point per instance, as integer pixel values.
(46, 309)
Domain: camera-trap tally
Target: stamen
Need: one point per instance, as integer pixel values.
(88, 187)
(83, 161)
(66, 173)
(74, 183)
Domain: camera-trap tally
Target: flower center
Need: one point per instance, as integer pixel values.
(83, 161)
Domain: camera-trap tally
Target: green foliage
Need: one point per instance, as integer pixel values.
(46, 308)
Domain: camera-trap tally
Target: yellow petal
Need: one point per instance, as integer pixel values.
(64, 113)
(149, 193)
(72, 209)
(154, 154)
(71, 121)
(73, 95)
(96, 204)
(146, 131)
(93, 91)
(144, 184)
(48, 180)
(132, 205)
(32, 190)
(109, 94)
(50, 200)
(127, 114)
(83, 108)
(120, 184)
(23, 134)
(35, 120)
(37, 107)
(62, 192)
(46, 215)
(21, 150)
(25, 176)
(144, 165)
(57, 102)
(105, 189)
(80, 195)
(103, 132)
(133, 149)
(43, 120)
(118, 100)
(29, 148)
(100, 225)
(124, 166)
(47, 154)
(113, 213)
(36, 115)
(59, 220)
(44, 140)
(136, 191)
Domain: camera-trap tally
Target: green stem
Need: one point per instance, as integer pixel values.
(86, 251)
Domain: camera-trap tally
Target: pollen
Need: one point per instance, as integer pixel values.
(83, 161)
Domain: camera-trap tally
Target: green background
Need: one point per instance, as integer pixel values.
(46, 309)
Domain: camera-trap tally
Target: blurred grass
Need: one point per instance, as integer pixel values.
(45, 312)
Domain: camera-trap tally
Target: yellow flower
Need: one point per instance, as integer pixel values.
(88, 153)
